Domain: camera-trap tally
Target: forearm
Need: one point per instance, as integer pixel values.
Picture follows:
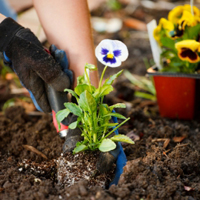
(2, 17)
(67, 25)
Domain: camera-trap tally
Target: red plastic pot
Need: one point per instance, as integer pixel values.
(178, 95)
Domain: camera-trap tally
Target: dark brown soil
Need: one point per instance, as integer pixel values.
(164, 163)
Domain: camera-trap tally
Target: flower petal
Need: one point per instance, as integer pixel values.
(175, 14)
(188, 55)
(166, 24)
(195, 9)
(187, 50)
(104, 51)
(187, 19)
(189, 44)
(120, 46)
(117, 53)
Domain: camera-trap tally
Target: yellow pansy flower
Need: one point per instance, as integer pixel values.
(163, 24)
(156, 33)
(177, 13)
(188, 50)
(187, 19)
(195, 9)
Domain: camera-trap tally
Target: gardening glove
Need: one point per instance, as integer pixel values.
(107, 159)
(34, 66)
(73, 136)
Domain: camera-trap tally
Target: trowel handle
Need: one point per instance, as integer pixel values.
(56, 101)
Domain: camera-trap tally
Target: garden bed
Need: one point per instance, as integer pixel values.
(163, 163)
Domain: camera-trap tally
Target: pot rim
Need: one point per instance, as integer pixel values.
(152, 72)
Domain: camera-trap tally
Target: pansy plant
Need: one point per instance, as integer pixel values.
(94, 117)
(179, 36)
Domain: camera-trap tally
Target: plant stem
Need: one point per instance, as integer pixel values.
(85, 127)
(102, 75)
(88, 79)
(94, 137)
(117, 127)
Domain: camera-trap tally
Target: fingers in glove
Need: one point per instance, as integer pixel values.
(107, 159)
(38, 90)
(105, 162)
(6, 60)
(61, 58)
(73, 136)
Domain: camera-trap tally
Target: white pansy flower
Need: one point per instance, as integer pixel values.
(111, 52)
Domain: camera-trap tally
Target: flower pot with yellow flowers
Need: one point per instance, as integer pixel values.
(175, 43)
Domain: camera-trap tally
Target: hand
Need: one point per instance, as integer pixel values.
(107, 159)
(33, 65)
(73, 136)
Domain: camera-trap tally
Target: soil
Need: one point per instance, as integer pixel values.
(163, 164)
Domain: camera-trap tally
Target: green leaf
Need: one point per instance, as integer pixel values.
(10, 102)
(112, 78)
(80, 80)
(107, 145)
(115, 115)
(90, 66)
(71, 92)
(73, 108)
(118, 105)
(103, 109)
(80, 148)
(110, 124)
(73, 125)
(141, 82)
(145, 95)
(191, 32)
(102, 91)
(114, 5)
(168, 42)
(122, 138)
(83, 87)
(62, 114)
(87, 102)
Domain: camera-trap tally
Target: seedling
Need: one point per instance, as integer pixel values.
(93, 115)
(143, 83)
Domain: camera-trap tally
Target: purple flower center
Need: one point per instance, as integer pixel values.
(109, 60)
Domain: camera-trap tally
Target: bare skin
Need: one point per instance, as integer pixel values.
(67, 25)
(2, 17)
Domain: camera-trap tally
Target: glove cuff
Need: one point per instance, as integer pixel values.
(8, 29)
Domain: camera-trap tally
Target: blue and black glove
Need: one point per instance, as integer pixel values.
(35, 67)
